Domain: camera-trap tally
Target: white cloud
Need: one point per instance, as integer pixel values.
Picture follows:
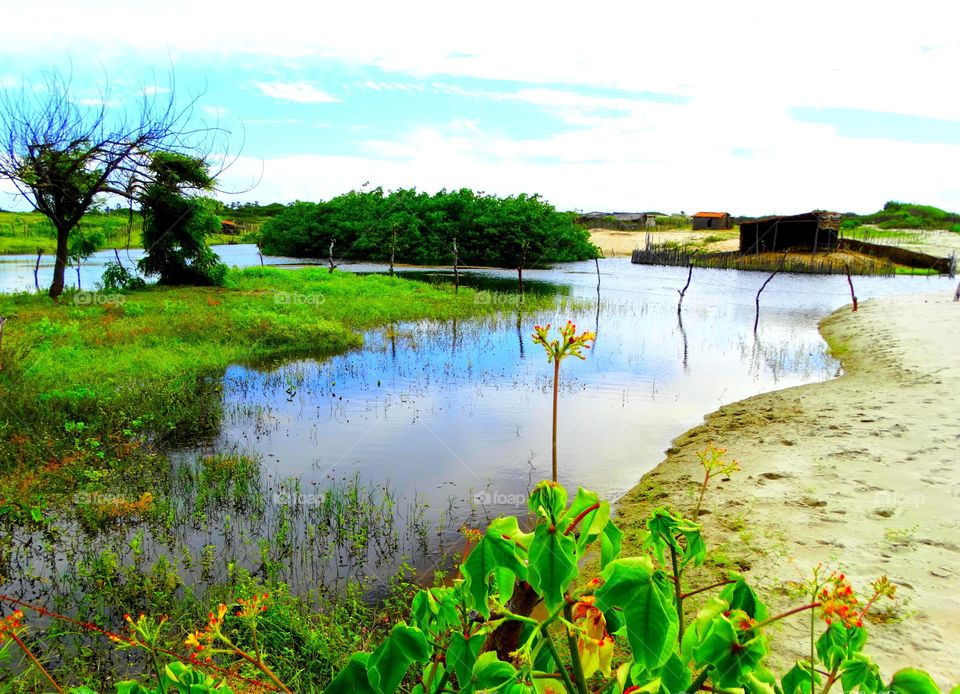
(215, 111)
(670, 158)
(302, 92)
(154, 89)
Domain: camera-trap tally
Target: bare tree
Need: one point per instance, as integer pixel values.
(61, 153)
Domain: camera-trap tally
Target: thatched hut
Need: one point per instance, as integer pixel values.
(812, 231)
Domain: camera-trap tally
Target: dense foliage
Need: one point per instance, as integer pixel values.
(176, 225)
(412, 227)
(905, 215)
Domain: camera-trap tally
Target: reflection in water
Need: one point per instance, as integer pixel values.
(435, 424)
(686, 344)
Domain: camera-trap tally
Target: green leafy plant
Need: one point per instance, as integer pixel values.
(623, 631)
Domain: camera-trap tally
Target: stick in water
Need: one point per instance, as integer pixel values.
(850, 282)
(683, 291)
(756, 321)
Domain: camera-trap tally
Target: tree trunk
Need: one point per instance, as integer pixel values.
(456, 266)
(393, 249)
(330, 260)
(505, 639)
(520, 277)
(60, 265)
(36, 270)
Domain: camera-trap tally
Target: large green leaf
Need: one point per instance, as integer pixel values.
(732, 658)
(353, 678)
(740, 596)
(388, 664)
(693, 634)
(491, 673)
(797, 679)
(548, 500)
(434, 610)
(610, 543)
(462, 655)
(494, 551)
(910, 681)
(125, 687)
(592, 524)
(860, 671)
(642, 595)
(553, 563)
(675, 675)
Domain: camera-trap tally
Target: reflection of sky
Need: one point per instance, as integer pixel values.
(16, 271)
(451, 410)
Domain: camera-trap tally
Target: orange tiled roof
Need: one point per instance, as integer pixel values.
(713, 215)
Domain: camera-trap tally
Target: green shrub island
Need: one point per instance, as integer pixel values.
(412, 227)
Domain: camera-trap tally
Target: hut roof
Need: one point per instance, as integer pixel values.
(712, 215)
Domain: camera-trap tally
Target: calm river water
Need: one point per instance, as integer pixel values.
(454, 417)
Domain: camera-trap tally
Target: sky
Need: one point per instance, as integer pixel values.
(750, 107)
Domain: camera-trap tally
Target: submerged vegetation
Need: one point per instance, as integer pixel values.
(98, 378)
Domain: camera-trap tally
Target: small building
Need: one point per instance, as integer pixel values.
(712, 221)
(228, 227)
(811, 231)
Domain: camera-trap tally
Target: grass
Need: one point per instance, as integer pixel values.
(22, 233)
(94, 381)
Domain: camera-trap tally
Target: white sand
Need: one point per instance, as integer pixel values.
(861, 473)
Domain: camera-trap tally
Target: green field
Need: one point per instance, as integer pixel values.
(24, 233)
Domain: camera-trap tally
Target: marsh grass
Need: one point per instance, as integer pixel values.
(96, 385)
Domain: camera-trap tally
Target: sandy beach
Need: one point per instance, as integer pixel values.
(860, 473)
(621, 243)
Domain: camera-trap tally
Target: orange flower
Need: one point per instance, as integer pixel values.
(594, 644)
(837, 602)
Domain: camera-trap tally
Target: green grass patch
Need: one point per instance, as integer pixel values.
(98, 379)
(22, 233)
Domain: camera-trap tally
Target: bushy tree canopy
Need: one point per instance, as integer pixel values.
(517, 231)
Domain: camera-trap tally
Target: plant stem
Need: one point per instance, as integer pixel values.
(678, 592)
(576, 521)
(556, 390)
(697, 683)
(831, 679)
(706, 588)
(813, 663)
(703, 490)
(36, 662)
(259, 664)
(443, 681)
(567, 683)
(786, 614)
(574, 652)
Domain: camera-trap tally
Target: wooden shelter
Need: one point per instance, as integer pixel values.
(712, 220)
(811, 231)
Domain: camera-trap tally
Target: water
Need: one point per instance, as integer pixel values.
(444, 423)
(462, 409)
(16, 271)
